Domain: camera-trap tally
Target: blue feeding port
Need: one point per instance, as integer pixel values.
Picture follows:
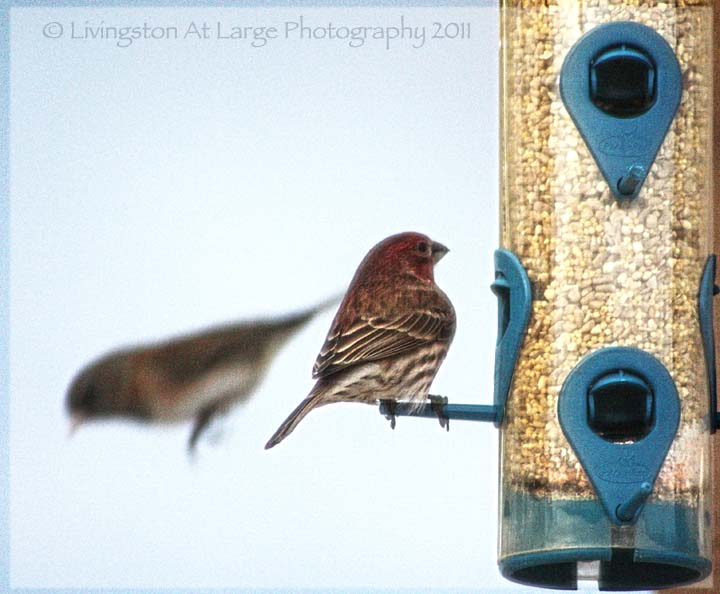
(620, 410)
(621, 84)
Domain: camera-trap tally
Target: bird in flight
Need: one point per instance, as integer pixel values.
(192, 377)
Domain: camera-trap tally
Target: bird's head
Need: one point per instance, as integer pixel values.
(406, 252)
(102, 390)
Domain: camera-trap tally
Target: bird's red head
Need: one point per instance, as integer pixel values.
(405, 252)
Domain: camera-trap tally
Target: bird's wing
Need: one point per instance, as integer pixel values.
(373, 338)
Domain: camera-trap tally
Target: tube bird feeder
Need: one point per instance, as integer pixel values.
(605, 391)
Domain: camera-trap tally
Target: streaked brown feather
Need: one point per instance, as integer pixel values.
(390, 334)
(424, 315)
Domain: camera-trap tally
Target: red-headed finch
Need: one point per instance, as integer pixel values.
(196, 376)
(390, 334)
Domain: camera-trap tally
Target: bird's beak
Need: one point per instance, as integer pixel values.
(75, 421)
(438, 251)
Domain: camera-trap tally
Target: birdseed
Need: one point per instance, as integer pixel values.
(603, 273)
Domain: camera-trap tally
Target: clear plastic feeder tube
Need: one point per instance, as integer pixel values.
(604, 273)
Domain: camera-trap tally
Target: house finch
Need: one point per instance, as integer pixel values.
(192, 377)
(390, 334)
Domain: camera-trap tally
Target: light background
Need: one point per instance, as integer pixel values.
(171, 185)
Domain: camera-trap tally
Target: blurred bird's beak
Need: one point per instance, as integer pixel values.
(75, 421)
(438, 251)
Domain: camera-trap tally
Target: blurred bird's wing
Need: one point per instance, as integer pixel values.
(373, 338)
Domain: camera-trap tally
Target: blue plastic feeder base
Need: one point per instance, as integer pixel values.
(554, 543)
(620, 569)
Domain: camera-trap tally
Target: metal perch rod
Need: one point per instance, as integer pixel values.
(462, 412)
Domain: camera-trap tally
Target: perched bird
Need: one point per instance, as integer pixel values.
(390, 334)
(195, 376)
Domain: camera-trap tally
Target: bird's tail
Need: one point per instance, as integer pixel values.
(289, 424)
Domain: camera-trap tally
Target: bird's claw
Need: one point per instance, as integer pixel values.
(390, 407)
(437, 403)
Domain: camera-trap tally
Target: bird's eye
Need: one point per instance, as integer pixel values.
(423, 247)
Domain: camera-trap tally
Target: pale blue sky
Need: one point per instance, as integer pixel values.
(176, 183)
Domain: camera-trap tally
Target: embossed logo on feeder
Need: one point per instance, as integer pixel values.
(630, 144)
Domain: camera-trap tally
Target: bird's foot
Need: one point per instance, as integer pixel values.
(437, 403)
(390, 407)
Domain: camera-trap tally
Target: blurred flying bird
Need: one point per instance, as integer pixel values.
(390, 334)
(196, 376)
